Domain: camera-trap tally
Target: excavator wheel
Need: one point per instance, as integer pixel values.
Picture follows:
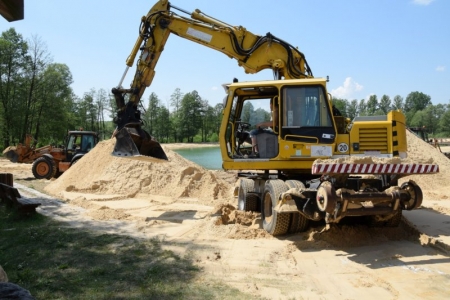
(299, 223)
(297, 184)
(246, 201)
(326, 197)
(43, 168)
(273, 222)
(416, 195)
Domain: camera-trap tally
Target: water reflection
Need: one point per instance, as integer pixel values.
(207, 157)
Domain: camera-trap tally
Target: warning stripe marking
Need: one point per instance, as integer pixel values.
(375, 169)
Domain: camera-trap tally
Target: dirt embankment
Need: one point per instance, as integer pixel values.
(99, 173)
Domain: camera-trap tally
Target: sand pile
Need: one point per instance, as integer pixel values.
(103, 174)
(432, 185)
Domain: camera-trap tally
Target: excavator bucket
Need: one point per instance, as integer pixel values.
(135, 143)
(11, 154)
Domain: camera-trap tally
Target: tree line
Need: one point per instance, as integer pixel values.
(36, 98)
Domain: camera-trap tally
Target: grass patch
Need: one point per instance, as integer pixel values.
(54, 261)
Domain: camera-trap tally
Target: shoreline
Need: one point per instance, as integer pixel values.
(173, 146)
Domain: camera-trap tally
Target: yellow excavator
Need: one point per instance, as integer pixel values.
(312, 164)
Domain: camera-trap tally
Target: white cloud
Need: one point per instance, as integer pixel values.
(422, 2)
(347, 90)
(440, 68)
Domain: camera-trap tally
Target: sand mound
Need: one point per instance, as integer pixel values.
(101, 173)
(420, 151)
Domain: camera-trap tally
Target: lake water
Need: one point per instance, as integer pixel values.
(207, 157)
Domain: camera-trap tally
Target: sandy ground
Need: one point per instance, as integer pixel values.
(194, 208)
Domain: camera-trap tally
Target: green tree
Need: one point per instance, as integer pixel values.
(151, 115)
(190, 115)
(13, 60)
(34, 78)
(51, 117)
(260, 115)
(87, 111)
(218, 113)
(207, 114)
(385, 104)
(444, 123)
(398, 103)
(341, 105)
(419, 119)
(416, 101)
(352, 109)
(362, 108)
(163, 125)
(175, 101)
(247, 111)
(372, 105)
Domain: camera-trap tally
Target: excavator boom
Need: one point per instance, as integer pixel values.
(252, 52)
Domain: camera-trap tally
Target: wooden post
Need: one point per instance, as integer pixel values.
(7, 178)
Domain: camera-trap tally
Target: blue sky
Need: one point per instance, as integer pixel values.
(381, 47)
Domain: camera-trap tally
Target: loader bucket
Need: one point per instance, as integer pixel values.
(135, 143)
(11, 154)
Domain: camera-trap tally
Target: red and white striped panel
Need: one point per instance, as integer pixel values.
(374, 169)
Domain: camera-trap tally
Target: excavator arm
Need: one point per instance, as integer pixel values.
(252, 52)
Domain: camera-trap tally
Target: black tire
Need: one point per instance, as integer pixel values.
(251, 203)
(54, 167)
(415, 193)
(274, 222)
(57, 175)
(394, 221)
(75, 161)
(43, 168)
(245, 202)
(299, 223)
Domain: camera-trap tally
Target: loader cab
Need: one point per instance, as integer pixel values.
(79, 143)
